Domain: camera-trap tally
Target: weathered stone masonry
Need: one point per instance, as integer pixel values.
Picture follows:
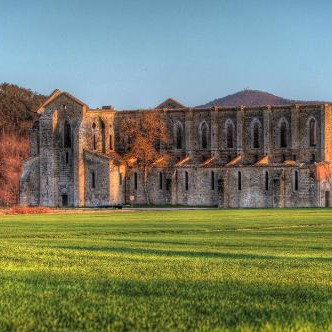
(273, 156)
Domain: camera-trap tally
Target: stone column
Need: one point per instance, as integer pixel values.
(188, 128)
(214, 131)
(78, 157)
(323, 134)
(294, 127)
(239, 131)
(267, 130)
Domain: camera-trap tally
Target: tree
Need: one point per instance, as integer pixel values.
(146, 133)
(13, 150)
(17, 112)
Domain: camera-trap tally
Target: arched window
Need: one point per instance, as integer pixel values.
(283, 134)
(160, 180)
(313, 132)
(204, 135)
(266, 180)
(111, 142)
(239, 181)
(229, 135)
(103, 137)
(93, 179)
(296, 180)
(111, 138)
(178, 131)
(186, 180)
(212, 180)
(94, 139)
(255, 132)
(67, 135)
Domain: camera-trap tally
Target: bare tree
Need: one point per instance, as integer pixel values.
(146, 132)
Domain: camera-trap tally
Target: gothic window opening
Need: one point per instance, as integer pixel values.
(239, 181)
(111, 142)
(93, 180)
(103, 137)
(135, 181)
(256, 142)
(313, 132)
(266, 180)
(178, 135)
(212, 180)
(67, 158)
(313, 158)
(67, 135)
(120, 178)
(283, 134)
(160, 180)
(230, 135)
(94, 139)
(186, 180)
(168, 184)
(296, 181)
(204, 135)
(94, 142)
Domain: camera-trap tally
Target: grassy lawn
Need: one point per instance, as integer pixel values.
(167, 270)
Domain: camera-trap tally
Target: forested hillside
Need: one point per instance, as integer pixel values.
(17, 108)
(17, 112)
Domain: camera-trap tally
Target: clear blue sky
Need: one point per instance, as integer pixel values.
(136, 53)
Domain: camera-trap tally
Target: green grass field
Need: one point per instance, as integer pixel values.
(167, 270)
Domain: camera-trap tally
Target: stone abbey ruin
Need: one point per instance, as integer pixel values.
(241, 157)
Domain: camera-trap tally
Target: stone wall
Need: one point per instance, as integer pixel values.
(30, 182)
(280, 190)
(97, 180)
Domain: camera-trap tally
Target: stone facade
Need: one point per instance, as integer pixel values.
(261, 157)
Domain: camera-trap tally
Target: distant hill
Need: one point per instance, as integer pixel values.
(252, 98)
(17, 107)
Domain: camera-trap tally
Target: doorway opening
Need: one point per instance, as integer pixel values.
(64, 200)
(327, 199)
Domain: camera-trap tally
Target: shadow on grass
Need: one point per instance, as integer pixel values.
(186, 254)
(163, 304)
(171, 253)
